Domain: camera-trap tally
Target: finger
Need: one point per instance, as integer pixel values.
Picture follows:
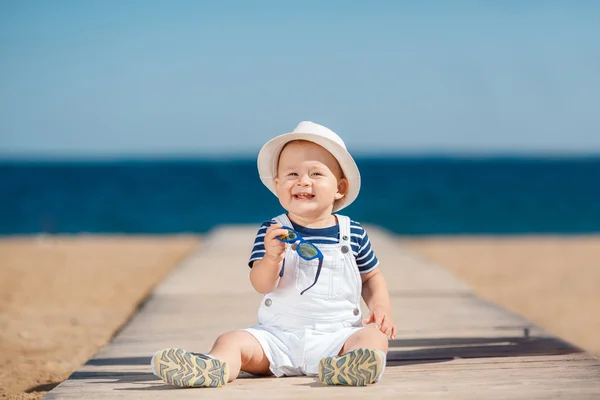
(274, 226)
(388, 331)
(393, 332)
(379, 319)
(369, 319)
(385, 326)
(275, 232)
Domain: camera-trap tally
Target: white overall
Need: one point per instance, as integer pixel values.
(296, 331)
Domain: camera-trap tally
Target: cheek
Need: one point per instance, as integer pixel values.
(328, 185)
(284, 188)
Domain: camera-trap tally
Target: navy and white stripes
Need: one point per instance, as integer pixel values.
(359, 241)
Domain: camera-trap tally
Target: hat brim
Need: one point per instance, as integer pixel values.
(268, 158)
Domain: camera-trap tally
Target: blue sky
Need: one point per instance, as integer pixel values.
(191, 78)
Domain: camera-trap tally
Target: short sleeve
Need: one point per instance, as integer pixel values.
(366, 260)
(258, 250)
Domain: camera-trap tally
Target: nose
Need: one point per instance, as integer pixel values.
(303, 180)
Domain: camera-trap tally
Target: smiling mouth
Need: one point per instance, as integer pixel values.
(303, 196)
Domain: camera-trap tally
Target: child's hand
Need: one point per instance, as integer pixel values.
(382, 317)
(275, 249)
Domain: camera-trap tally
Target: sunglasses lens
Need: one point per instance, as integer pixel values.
(307, 250)
(290, 235)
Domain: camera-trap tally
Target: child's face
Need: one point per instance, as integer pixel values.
(309, 180)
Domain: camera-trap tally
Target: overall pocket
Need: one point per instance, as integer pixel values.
(329, 284)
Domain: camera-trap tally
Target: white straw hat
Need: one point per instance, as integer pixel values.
(268, 157)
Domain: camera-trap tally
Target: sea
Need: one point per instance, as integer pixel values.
(417, 196)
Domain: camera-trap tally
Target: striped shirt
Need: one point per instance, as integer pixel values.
(359, 241)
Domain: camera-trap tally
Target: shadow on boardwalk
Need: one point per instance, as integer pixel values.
(451, 348)
(420, 351)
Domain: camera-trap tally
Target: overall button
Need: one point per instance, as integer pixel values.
(345, 249)
(356, 311)
(344, 237)
(268, 303)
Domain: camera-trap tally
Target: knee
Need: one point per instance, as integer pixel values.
(379, 339)
(368, 337)
(230, 338)
(236, 339)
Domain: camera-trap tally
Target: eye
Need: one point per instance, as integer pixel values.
(317, 174)
(292, 174)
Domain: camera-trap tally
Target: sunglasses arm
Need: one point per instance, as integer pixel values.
(316, 276)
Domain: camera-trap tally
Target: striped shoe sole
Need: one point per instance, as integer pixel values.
(180, 368)
(358, 367)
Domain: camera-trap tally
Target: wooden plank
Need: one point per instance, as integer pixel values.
(450, 345)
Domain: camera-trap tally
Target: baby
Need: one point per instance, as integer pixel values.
(312, 266)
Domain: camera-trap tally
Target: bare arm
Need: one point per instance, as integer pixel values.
(264, 274)
(376, 295)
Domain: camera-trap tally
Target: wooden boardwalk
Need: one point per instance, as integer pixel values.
(451, 344)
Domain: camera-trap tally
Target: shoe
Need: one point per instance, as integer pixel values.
(358, 367)
(180, 368)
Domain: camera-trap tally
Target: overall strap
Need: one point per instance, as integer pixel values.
(283, 220)
(346, 248)
(344, 223)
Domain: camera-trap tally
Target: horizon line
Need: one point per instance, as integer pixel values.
(233, 157)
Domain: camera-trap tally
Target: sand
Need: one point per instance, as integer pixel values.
(553, 281)
(62, 299)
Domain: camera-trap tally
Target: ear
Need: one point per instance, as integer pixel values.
(277, 184)
(342, 188)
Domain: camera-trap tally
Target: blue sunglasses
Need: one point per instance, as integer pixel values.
(304, 248)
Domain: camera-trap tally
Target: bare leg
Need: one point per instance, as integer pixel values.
(241, 351)
(369, 337)
(231, 352)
